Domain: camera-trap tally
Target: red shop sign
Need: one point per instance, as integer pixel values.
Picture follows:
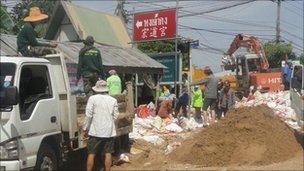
(154, 25)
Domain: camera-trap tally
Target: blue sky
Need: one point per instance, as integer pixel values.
(255, 18)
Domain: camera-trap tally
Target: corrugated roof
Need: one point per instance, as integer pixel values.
(127, 60)
(105, 28)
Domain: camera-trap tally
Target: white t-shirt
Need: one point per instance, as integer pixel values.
(101, 112)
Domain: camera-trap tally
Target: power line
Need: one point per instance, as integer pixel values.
(293, 11)
(290, 3)
(214, 10)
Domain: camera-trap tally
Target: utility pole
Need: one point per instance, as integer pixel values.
(119, 11)
(278, 36)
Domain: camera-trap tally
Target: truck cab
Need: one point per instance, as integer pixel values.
(39, 122)
(297, 92)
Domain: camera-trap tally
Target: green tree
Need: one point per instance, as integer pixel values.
(6, 21)
(21, 10)
(276, 52)
(157, 46)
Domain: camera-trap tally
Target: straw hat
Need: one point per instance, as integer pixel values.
(35, 15)
(100, 86)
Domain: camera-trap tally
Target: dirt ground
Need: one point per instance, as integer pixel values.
(248, 139)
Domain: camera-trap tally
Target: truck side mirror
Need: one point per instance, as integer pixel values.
(9, 96)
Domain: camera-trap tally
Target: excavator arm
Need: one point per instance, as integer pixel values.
(252, 44)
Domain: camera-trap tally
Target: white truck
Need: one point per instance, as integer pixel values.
(39, 119)
(297, 92)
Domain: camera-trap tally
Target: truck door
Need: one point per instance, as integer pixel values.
(297, 92)
(38, 103)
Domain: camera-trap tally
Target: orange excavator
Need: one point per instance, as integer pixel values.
(252, 68)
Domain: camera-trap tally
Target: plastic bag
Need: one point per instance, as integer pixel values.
(173, 127)
(154, 139)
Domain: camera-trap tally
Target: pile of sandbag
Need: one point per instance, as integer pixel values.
(279, 102)
(154, 129)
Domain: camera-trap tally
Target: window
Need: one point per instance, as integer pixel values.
(7, 74)
(297, 78)
(34, 86)
(253, 64)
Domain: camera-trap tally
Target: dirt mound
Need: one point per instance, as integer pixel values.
(247, 136)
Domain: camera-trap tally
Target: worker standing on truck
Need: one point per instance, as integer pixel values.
(114, 83)
(210, 94)
(101, 112)
(27, 43)
(89, 65)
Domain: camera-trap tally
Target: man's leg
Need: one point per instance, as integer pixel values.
(198, 115)
(93, 147)
(184, 109)
(86, 85)
(108, 161)
(108, 150)
(213, 105)
(38, 51)
(206, 105)
(177, 109)
(90, 162)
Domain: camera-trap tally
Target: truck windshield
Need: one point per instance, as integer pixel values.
(7, 74)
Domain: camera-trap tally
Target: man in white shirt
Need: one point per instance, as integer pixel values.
(101, 112)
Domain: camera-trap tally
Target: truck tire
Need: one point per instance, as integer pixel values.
(46, 159)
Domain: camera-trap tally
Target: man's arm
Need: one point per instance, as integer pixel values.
(89, 115)
(203, 81)
(33, 40)
(100, 66)
(115, 110)
(31, 35)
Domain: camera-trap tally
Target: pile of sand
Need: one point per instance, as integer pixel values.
(247, 136)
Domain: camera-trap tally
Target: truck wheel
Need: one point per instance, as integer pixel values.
(46, 159)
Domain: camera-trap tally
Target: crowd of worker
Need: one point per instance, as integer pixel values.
(211, 98)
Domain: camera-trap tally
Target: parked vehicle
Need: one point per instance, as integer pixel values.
(39, 119)
(297, 92)
(253, 67)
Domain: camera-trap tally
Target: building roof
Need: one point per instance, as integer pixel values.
(105, 28)
(125, 60)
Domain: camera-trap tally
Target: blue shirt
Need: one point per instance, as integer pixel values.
(287, 71)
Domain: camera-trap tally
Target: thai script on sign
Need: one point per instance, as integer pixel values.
(154, 25)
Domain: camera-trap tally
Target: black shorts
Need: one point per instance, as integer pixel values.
(100, 145)
(209, 103)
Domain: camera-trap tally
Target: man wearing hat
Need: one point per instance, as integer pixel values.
(210, 94)
(26, 39)
(114, 83)
(101, 112)
(89, 65)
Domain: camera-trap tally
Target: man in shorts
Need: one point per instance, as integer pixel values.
(101, 112)
(210, 94)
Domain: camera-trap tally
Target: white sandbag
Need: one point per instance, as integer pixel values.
(154, 139)
(173, 127)
(157, 123)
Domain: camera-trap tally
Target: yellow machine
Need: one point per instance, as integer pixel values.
(198, 74)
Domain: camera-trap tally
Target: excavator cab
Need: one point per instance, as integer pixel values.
(245, 65)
